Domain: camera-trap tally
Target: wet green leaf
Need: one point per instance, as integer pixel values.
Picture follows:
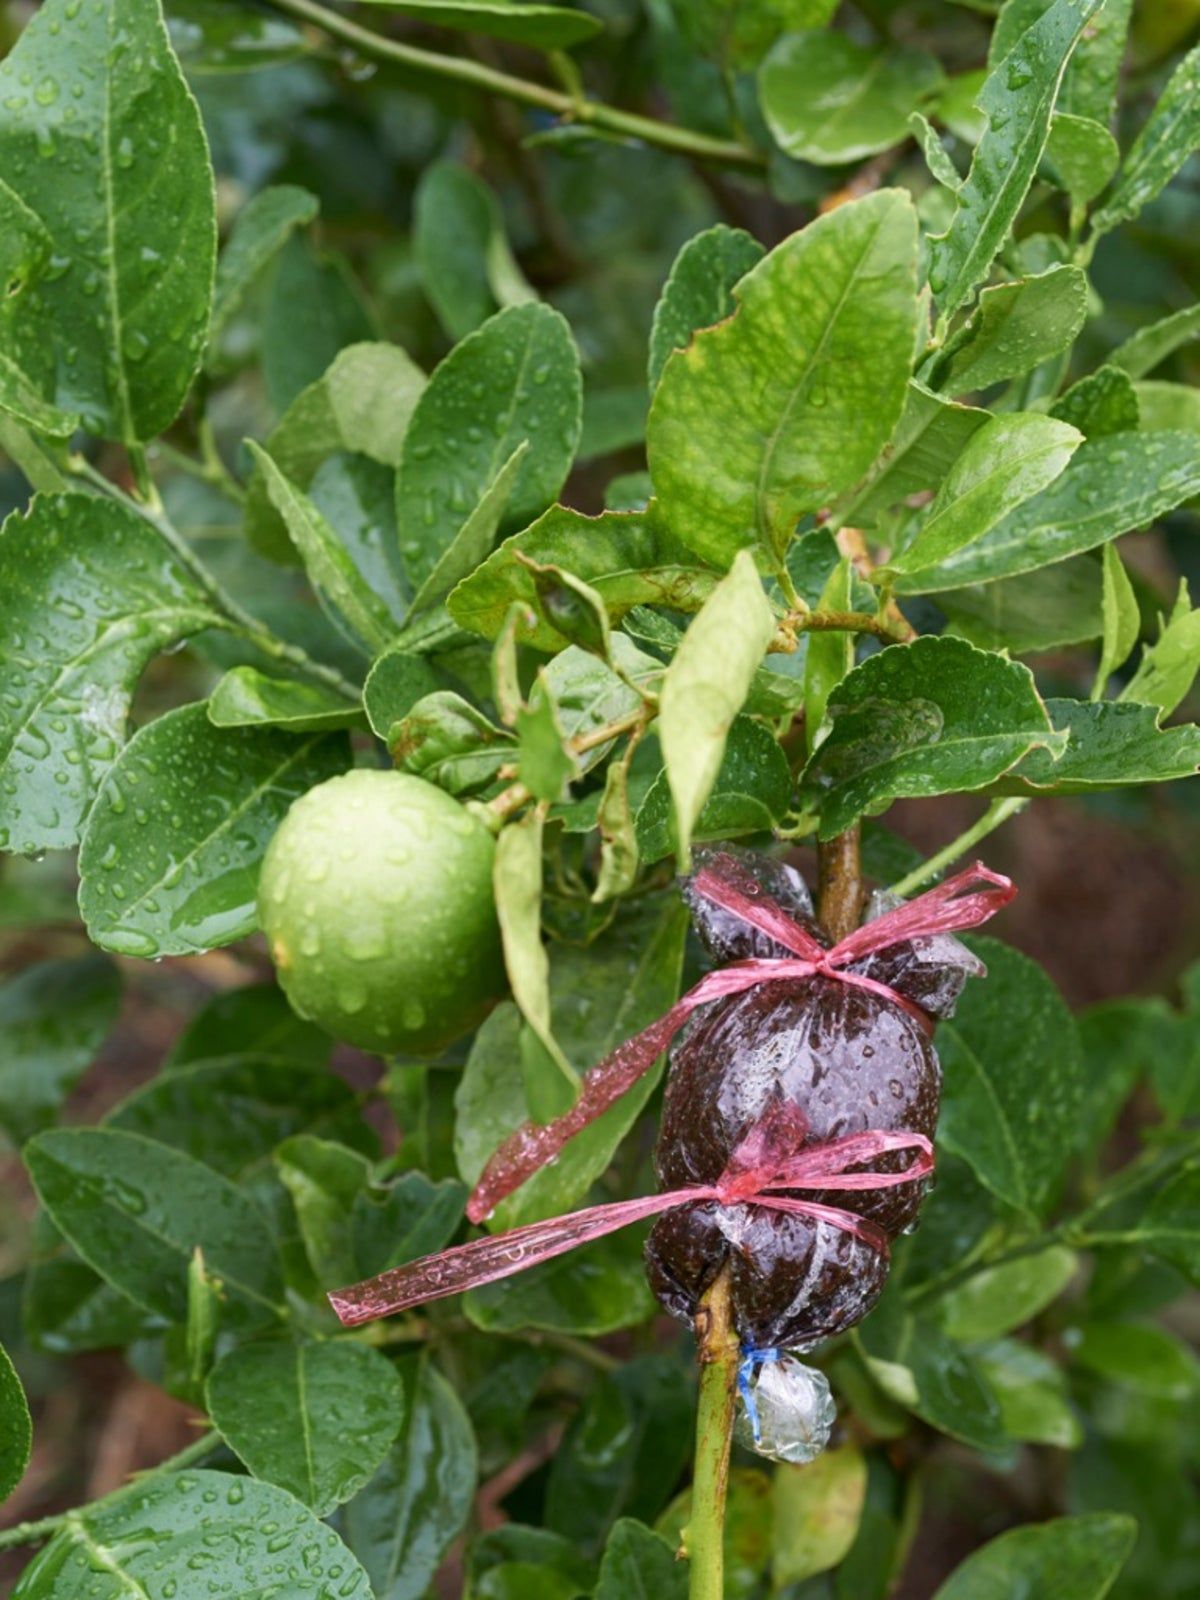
(473, 541)
(1071, 1558)
(1111, 485)
(394, 685)
(248, 698)
(931, 1375)
(89, 594)
(16, 1427)
(54, 1016)
(817, 1512)
(1144, 350)
(705, 687)
(443, 738)
(1122, 619)
(401, 1525)
(1167, 138)
(209, 36)
(1168, 666)
(737, 32)
(1014, 328)
(1012, 1079)
(324, 1180)
(146, 1543)
(829, 100)
(933, 717)
(517, 877)
(315, 1419)
(749, 1520)
(546, 27)
(1004, 463)
(170, 860)
(624, 1452)
(639, 1564)
(1081, 155)
(515, 379)
(254, 1020)
(1170, 1226)
(1102, 403)
(699, 290)
(628, 557)
(1109, 744)
(363, 402)
(778, 409)
(467, 267)
(1168, 405)
(401, 1220)
(108, 321)
(1035, 611)
(298, 351)
(1032, 1391)
(1146, 1358)
(329, 565)
(929, 438)
(262, 228)
(1017, 99)
(998, 1299)
(545, 763)
(750, 792)
(233, 1111)
(135, 1211)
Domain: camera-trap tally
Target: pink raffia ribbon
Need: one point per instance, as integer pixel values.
(964, 901)
(768, 1159)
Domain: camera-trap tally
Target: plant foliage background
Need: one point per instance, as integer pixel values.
(350, 404)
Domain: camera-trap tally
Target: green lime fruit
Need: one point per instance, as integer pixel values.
(376, 899)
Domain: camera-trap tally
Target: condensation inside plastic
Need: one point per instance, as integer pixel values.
(793, 1408)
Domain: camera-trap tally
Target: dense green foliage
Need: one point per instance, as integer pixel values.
(701, 434)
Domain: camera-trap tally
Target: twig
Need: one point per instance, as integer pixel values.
(478, 75)
(997, 813)
(839, 883)
(717, 1351)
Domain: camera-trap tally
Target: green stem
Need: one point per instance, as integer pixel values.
(248, 625)
(478, 75)
(704, 1536)
(997, 813)
(844, 622)
(47, 1527)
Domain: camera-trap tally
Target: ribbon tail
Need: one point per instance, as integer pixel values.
(950, 907)
(467, 1266)
(535, 1143)
(848, 1221)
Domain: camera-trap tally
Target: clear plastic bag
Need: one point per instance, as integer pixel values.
(787, 1411)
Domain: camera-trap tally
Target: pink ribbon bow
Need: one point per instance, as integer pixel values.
(768, 1159)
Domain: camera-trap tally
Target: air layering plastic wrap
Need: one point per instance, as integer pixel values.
(799, 1115)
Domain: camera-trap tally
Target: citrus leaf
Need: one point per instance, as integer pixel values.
(818, 1511)
(1081, 155)
(362, 402)
(248, 698)
(1122, 619)
(169, 863)
(54, 1016)
(705, 687)
(1014, 328)
(517, 877)
(315, 1419)
(394, 685)
(329, 565)
(467, 267)
(929, 438)
(1143, 351)
(628, 557)
(16, 1427)
(737, 32)
(829, 100)
(699, 290)
(1035, 611)
(781, 407)
(1111, 485)
(933, 1376)
(515, 379)
(136, 1210)
(639, 1564)
(89, 594)
(146, 1542)
(1017, 99)
(1006, 461)
(1012, 1079)
(108, 324)
(1070, 1558)
(1102, 403)
(1168, 137)
(473, 541)
(263, 226)
(1168, 666)
(933, 717)
(1110, 744)
(401, 1525)
(749, 794)
(1001, 1298)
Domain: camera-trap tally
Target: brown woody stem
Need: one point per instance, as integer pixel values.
(839, 883)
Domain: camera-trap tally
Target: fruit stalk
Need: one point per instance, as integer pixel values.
(717, 1352)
